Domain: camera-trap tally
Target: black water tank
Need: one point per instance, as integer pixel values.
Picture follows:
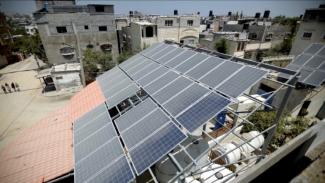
(175, 12)
(198, 13)
(246, 26)
(257, 15)
(322, 6)
(210, 13)
(229, 13)
(266, 14)
(131, 13)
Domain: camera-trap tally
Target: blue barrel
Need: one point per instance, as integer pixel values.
(220, 120)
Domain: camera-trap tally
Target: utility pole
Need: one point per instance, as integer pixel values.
(79, 55)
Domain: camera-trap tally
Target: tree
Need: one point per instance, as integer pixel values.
(288, 127)
(95, 62)
(221, 46)
(124, 56)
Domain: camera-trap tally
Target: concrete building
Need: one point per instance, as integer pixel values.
(236, 41)
(61, 27)
(143, 32)
(42, 3)
(311, 30)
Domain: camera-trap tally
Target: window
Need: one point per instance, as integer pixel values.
(58, 77)
(99, 8)
(189, 22)
(149, 31)
(307, 35)
(102, 28)
(61, 29)
(86, 27)
(168, 22)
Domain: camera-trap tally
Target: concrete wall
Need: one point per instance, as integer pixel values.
(318, 32)
(66, 80)
(53, 41)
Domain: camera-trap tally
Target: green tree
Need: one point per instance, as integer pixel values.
(96, 62)
(124, 56)
(288, 127)
(221, 46)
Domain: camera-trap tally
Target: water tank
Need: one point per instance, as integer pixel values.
(131, 13)
(257, 15)
(210, 13)
(165, 169)
(220, 120)
(175, 12)
(257, 142)
(216, 174)
(266, 14)
(229, 13)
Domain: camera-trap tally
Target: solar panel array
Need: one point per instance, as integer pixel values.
(311, 64)
(186, 89)
(99, 155)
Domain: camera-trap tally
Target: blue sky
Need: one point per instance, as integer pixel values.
(277, 7)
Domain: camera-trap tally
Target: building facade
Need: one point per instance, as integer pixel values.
(311, 30)
(62, 27)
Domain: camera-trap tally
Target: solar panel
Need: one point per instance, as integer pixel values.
(122, 95)
(153, 75)
(202, 111)
(301, 59)
(304, 73)
(98, 160)
(322, 67)
(93, 141)
(322, 52)
(135, 114)
(161, 82)
(204, 67)
(155, 50)
(171, 89)
(190, 63)
(144, 128)
(184, 99)
(131, 62)
(316, 78)
(313, 48)
(155, 147)
(89, 116)
(315, 62)
(153, 46)
(138, 67)
(180, 58)
(119, 171)
(148, 68)
(163, 52)
(220, 73)
(96, 123)
(241, 81)
(170, 55)
(116, 87)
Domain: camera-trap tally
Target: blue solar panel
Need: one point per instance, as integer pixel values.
(95, 140)
(148, 125)
(98, 160)
(241, 81)
(119, 172)
(155, 147)
(89, 116)
(180, 58)
(155, 50)
(153, 75)
(202, 111)
(135, 114)
(316, 78)
(315, 62)
(314, 48)
(185, 98)
(301, 59)
(219, 74)
(171, 89)
(97, 123)
(161, 82)
(204, 67)
(190, 63)
(163, 52)
(170, 55)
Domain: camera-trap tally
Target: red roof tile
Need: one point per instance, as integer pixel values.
(44, 151)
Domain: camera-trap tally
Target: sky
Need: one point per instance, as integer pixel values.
(166, 7)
